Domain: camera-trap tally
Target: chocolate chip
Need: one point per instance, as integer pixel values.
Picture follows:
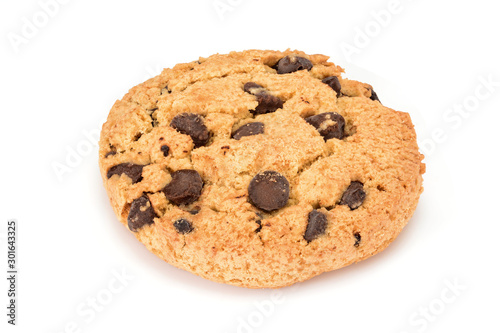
(334, 83)
(354, 196)
(165, 149)
(316, 225)
(185, 187)
(269, 190)
(330, 125)
(248, 130)
(133, 171)
(374, 96)
(183, 226)
(192, 124)
(267, 102)
(141, 213)
(357, 236)
(252, 88)
(291, 63)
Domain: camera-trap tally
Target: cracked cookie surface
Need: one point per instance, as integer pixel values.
(260, 168)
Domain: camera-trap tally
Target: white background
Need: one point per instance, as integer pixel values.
(61, 81)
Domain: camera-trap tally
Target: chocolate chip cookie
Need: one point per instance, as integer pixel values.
(260, 168)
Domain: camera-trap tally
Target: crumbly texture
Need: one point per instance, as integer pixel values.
(222, 235)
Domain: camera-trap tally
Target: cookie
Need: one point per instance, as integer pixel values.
(260, 169)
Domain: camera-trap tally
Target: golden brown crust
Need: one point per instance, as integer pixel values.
(380, 151)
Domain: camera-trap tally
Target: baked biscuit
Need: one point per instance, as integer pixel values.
(260, 168)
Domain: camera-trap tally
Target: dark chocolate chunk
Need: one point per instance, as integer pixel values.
(267, 102)
(357, 236)
(141, 213)
(133, 171)
(183, 226)
(354, 196)
(185, 187)
(334, 83)
(316, 225)
(252, 88)
(269, 190)
(292, 63)
(192, 124)
(329, 124)
(248, 130)
(165, 149)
